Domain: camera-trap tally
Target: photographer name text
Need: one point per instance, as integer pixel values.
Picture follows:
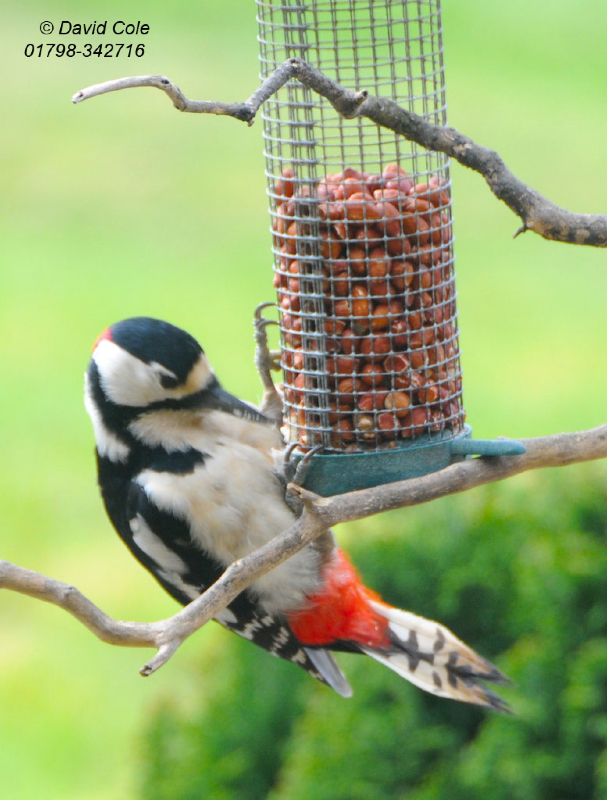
(119, 28)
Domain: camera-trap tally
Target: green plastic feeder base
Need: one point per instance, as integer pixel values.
(345, 472)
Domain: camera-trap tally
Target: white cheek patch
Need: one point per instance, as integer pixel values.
(126, 380)
(108, 444)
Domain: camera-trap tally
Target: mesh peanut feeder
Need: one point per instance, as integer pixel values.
(363, 247)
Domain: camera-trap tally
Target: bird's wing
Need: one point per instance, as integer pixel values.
(163, 544)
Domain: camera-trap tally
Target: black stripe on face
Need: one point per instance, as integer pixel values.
(212, 398)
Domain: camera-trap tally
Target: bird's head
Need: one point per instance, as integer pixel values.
(143, 366)
(141, 362)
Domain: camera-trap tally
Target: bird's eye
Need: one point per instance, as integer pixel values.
(169, 382)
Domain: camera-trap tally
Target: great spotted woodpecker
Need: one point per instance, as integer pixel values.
(193, 478)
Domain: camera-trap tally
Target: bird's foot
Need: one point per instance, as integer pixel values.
(295, 474)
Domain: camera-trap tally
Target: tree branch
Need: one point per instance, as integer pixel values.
(318, 515)
(537, 213)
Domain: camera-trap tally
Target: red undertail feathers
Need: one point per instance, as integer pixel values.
(420, 650)
(341, 611)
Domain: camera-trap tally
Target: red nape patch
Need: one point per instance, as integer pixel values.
(105, 335)
(341, 611)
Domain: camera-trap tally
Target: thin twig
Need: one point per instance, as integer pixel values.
(245, 112)
(238, 110)
(318, 515)
(537, 213)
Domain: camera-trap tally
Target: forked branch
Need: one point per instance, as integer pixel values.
(318, 515)
(537, 213)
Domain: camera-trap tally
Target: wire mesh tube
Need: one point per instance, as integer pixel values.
(362, 230)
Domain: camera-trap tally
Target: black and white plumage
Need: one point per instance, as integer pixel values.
(193, 478)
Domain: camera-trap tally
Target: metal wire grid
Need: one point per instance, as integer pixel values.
(349, 369)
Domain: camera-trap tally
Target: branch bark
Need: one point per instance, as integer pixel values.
(318, 515)
(537, 213)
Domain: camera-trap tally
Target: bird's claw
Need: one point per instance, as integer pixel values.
(288, 465)
(295, 474)
(260, 308)
(301, 470)
(295, 470)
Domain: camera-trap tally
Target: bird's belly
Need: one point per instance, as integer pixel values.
(234, 504)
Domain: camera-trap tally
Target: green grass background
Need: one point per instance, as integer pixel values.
(122, 206)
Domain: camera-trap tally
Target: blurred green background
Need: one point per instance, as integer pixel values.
(122, 206)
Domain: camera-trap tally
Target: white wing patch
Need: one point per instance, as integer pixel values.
(172, 568)
(152, 546)
(177, 581)
(233, 504)
(226, 617)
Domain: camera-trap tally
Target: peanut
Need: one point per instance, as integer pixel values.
(389, 335)
(398, 402)
(372, 401)
(372, 375)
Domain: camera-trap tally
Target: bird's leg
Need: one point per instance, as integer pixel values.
(267, 360)
(289, 468)
(295, 474)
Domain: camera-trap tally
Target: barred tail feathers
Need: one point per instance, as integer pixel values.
(345, 614)
(428, 655)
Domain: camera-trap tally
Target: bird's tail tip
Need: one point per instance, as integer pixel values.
(428, 655)
(328, 671)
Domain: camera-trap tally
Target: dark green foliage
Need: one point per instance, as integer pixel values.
(521, 575)
(232, 746)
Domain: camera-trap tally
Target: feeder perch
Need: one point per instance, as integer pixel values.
(363, 248)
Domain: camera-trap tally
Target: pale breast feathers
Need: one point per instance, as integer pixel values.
(233, 503)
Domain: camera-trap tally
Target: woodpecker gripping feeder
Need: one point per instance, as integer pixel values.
(363, 248)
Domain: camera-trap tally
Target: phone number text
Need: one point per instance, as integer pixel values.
(105, 50)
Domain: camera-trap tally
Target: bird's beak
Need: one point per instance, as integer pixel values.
(216, 398)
